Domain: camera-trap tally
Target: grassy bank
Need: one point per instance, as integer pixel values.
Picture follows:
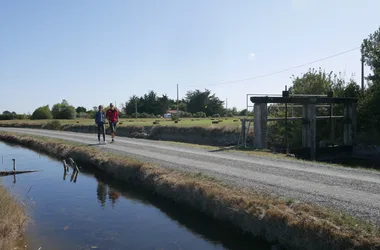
(183, 122)
(218, 135)
(12, 220)
(294, 225)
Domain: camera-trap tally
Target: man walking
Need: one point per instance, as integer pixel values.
(113, 118)
(100, 121)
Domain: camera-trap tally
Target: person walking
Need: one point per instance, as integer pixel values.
(100, 120)
(112, 116)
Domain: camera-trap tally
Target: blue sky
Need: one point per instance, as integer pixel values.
(92, 52)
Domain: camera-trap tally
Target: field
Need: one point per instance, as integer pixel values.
(184, 122)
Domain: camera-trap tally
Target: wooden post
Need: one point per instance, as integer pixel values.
(72, 176)
(65, 166)
(14, 164)
(75, 177)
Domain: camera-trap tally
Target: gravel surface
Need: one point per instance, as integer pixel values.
(355, 191)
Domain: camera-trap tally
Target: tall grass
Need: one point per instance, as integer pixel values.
(12, 220)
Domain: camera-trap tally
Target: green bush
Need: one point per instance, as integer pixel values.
(215, 115)
(83, 115)
(42, 113)
(53, 125)
(63, 110)
(13, 117)
(199, 115)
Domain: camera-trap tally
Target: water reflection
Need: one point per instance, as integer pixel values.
(103, 190)
(198, 223)
(118, 216)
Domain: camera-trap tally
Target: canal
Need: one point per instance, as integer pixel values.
(96, 212)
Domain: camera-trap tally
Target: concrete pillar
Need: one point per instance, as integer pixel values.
(350, 123)
(260, 125)
(312, 131)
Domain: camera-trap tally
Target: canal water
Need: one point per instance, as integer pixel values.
(96, 212)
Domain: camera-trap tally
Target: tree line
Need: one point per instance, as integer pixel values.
(196, 103)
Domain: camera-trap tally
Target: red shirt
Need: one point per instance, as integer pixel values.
(112, 115)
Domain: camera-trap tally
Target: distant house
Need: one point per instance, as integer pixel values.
(171, 112)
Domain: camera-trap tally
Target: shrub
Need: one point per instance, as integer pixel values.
(53, 125)
(215, 115)
(63, 110)
(215, 122)
(13, 117)
(145, 115)
(156, 122)
(199, 115)
(83, 115)
(186, 115)
(42, 113)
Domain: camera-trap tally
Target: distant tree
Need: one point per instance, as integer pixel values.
(369, 112)
(243, 112)
(312, 82)
(130, 106)
(163, 104)
(204, 101)
(81, 110)
(182, 105)
(42, 113)
(63, 110)
(6, 112)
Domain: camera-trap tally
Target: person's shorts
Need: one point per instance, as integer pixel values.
(113, 127)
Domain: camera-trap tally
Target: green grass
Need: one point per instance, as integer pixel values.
(184, 122)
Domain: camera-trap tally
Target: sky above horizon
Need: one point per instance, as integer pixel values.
(93, 52)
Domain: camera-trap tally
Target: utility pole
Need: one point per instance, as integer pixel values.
(226, 104)
(177, 102)
(362, 78)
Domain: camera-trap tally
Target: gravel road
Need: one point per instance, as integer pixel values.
(355, 191)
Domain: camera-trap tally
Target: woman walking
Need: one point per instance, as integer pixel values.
(100, 121)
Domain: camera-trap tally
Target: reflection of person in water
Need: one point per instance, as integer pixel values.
(101, 191)
(113, 196)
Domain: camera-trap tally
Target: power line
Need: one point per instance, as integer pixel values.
(277, 72)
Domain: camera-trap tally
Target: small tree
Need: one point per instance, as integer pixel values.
(42, 113)
(81, 110)
(63, 110)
